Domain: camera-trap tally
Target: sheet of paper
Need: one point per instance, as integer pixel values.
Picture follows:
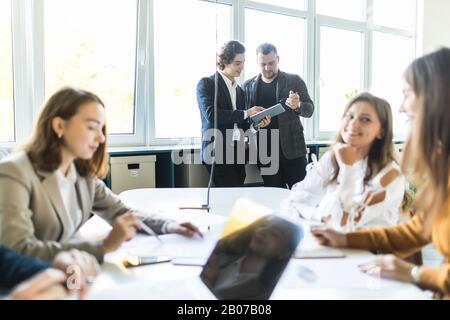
(173, 245)
(333, 273)
(309, 248)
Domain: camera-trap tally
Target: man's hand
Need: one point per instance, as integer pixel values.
(78, 261)
(264, 122)
(293, 101)
(48, 284)
(254, 110)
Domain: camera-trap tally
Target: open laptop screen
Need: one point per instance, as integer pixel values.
(248, 263)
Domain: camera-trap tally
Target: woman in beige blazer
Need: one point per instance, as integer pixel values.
(50, 188)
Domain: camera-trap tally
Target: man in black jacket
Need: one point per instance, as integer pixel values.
(267, 89)
(232, 117)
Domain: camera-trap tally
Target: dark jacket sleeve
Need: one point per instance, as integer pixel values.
(307, 105)
(205, 99)
(15, 268)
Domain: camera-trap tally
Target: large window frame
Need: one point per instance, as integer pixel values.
(28, 62)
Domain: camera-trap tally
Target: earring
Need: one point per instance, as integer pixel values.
(59, 135)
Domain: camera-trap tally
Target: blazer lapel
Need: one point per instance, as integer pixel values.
(281, 83)
(50, 185)
(255, 90)
(223, 87)
(84, 198)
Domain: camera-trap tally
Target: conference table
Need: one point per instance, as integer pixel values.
(333, 278)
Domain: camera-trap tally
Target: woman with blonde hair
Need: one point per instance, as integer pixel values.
(427, 158)
(49, 190)
(357, 184)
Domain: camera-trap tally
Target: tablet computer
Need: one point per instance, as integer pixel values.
(272, 112)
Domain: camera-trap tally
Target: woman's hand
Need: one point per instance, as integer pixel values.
(390, 267)
(81, 267)
(186, 229)
(48, 284)
(329, 237)
(124, 228)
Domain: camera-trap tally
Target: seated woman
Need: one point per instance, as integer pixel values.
(427, 157)
(358, 183)
(49, 190)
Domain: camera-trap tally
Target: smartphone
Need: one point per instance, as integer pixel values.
(135, 261)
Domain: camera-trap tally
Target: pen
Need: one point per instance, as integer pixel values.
(148, 230)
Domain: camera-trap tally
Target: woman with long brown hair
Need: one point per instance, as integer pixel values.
(357, 184)
(50, 188)
(426, 159)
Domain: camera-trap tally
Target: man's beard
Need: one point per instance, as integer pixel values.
(270, 75)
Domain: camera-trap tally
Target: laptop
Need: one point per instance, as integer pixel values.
(246, 259)
(248, 262)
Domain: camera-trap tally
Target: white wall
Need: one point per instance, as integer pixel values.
(436, 24)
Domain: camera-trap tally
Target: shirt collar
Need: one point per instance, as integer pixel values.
(228, 82)
(71, 175)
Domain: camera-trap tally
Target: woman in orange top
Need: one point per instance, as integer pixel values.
(427, 156)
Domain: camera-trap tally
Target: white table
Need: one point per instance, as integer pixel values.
(335, 278)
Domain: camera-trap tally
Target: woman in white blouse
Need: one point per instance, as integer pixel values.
(358, 183)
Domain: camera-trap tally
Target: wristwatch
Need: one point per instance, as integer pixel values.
(415, 274)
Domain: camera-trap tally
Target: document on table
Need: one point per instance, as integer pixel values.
(309, 248)
(173, 245)
(336, 274)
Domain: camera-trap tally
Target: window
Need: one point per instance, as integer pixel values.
(400, 14)
(387, 75)
(144, 58)
(341, 61)
(290, 46)
(181, 60)
(348, 9)
(94, 48)
(293, 4)
(6, 74)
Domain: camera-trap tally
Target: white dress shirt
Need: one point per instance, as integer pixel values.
(232, 86)
(69, 195)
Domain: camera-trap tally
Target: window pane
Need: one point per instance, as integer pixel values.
(290, 46)
(347, 9)
(395, 14)
(293, 4)
(6, 76)
(387, 72)
(340, 73)
(92, 45)
(181, 60)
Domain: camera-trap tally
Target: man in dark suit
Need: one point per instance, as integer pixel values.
(232, 118)
(266, 90)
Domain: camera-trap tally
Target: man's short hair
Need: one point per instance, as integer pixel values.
(266, 48)
(228, 52)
